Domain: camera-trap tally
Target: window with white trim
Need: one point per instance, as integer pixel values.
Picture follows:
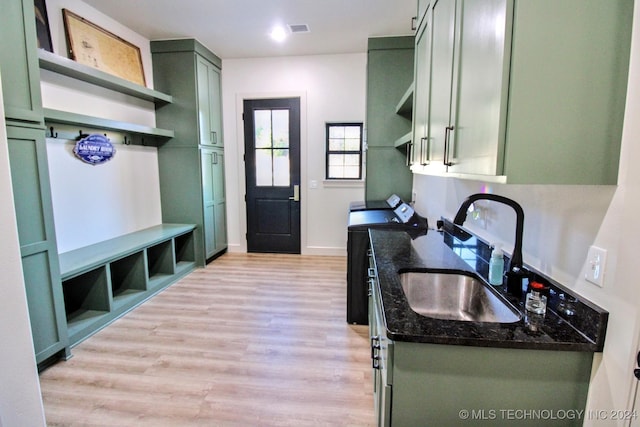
(344, 151)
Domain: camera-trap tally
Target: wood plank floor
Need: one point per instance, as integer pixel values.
(250, 340)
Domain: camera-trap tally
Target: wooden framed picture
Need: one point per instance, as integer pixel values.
(42, 25)
(96, 47)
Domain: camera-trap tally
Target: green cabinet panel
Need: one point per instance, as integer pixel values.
(389, 74)
(387, 173)
(30, 180)
(48, 325)
(422, 89)
(214, 202)
(209, 103)
(195, 195)
(19, 62)
(25, 148)
(516, 95)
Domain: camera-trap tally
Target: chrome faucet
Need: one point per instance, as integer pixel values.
(515, 273)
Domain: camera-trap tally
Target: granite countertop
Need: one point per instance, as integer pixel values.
(394, 251)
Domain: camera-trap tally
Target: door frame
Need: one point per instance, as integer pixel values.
(242, 185)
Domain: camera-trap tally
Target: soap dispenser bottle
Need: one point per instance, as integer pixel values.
(496, 266)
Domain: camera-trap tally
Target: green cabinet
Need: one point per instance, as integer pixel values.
(516, 95)
(214, 201)
(416, 384)
(192, 163)
(32, 198)
(30, 179)
(389, 74)
(422, 90)
(209, 103)
(19, 62)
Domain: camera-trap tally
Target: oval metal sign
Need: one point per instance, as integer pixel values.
(94, 149)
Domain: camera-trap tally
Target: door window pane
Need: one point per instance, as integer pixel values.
(272, 148)
(262, 123)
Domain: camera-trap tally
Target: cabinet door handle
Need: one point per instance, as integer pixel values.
(375, 346)
(214, 137)
(215, 159)
(375, 362)
(447, 136)
(424, 162)
(409, 154)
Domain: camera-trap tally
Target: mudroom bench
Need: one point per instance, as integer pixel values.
(103, 281)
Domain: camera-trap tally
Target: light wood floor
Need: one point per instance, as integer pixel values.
(251, 340)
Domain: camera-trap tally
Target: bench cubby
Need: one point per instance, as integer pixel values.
(161, 263)
(128, 278)
(103, 281)
(86, 299)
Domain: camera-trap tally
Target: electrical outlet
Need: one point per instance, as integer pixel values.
(596, 263)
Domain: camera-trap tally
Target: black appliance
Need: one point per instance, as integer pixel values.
(403, 218)
(391, 203)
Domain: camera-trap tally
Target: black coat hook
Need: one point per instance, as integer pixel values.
(51, 133)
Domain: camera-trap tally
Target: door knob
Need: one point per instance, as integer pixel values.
(296, 193)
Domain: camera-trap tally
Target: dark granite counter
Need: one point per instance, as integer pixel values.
(395, 251)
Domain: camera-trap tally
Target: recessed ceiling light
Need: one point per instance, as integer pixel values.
(278, 33)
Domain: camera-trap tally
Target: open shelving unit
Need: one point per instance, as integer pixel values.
(404, 108)
(103, 281)
(136, 134)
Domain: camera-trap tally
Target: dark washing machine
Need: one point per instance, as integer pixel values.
(403, 219)
(391, 203)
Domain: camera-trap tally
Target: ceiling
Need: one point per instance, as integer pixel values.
(240, 28)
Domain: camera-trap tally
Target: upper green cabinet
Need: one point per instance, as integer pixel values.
(209, 103)
(522, 91)
(19, 62)
(191, 74)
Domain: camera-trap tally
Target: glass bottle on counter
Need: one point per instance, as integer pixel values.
(536, 301)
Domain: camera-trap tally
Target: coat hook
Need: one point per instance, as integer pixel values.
(51, 133)
(126, 141)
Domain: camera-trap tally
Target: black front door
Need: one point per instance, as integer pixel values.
(272, 165)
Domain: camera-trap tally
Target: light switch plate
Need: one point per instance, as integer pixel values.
(596, 263)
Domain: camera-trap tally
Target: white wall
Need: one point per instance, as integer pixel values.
(561, 222)
(95, 203)
(332, 88)
(20, 401)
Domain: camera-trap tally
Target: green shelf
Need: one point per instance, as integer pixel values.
(81, 120)
(405, 106)
(403, 141)
(67, 67)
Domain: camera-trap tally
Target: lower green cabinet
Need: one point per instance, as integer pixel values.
(214, 202)
(30, 180)
(420, 384)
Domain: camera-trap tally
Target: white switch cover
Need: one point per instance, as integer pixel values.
(596, 263)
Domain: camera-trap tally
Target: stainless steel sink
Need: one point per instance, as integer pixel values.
(455, 296)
